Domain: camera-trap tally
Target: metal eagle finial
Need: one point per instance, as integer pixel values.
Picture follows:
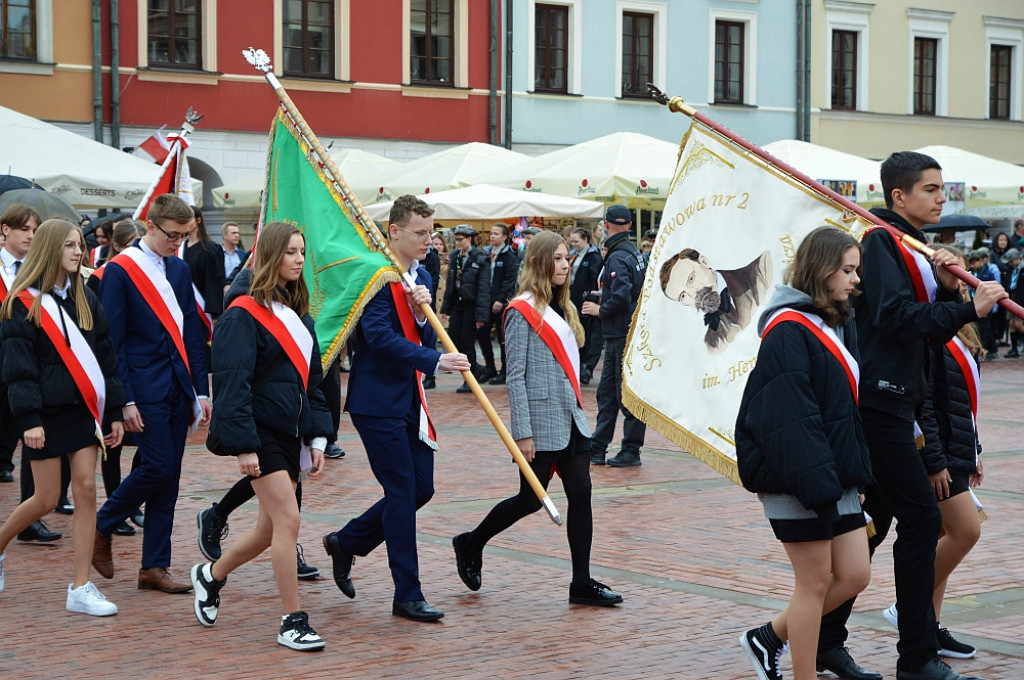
(258, 58)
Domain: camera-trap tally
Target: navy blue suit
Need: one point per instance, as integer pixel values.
(156, 379)
(383, 400)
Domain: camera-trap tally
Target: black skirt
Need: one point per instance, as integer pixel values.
(66, 430)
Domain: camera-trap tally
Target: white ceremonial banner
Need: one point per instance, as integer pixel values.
(729, 230)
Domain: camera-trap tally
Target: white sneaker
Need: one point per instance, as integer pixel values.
(891, 616)
(3, 556)
(296, 633)
(87, 600)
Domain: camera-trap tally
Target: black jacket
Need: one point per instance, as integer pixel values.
(798, 430)
(475, 289)
(36, 377)
(586, 276)
(254, 382)
(206, 262)
(504, 275)
(894, 329)
(621, 282)
(432, 263)
(950, 440)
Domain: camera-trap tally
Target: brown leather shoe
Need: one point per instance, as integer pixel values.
(102, 559)
(159, 578)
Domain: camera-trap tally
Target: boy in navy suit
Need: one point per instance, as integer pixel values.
(155, 328)
(391, 345)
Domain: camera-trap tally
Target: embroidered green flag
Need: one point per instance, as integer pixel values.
(343, 269)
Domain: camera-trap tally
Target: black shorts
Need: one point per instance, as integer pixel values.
(804, 530)
(278, 452)
(66, 430)
(959, 485)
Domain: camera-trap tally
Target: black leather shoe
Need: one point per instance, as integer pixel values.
(6, 476)
(416, 610)
(137, 518)
(597, 458)
(342, 565)
(498, 379)
(334, 451)
(838, 661)
(429, 383)
(488, 373)
(37, 531)
(469, 562)
(124, 529)
(626, 459)
(586, 376)
(65, 507)
(464, 389)
(594, 594)
(933, 669)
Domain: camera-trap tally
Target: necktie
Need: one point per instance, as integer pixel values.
(17, 266)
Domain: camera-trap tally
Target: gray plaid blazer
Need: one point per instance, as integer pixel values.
(540, 396)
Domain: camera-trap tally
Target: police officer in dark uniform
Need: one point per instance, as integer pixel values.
(467, 295)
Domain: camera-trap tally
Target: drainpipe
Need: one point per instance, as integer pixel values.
(508, 74)
(803, 70)
(807, 70)
(492, 100)
(97, 72)
(115, 77)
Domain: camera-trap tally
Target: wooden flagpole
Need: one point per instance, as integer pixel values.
(261, 61)
(677, 105)
(191, 118)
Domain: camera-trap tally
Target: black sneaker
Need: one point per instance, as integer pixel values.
(296, 633)
(212, 530)
(334, 451)
(764, 649)
(124, 529)
(594, 594)
(626, 459)
(598, 458)
(207, 593)
(306, 571)
(950, 646)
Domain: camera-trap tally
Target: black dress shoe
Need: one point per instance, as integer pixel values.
(933, 669)
(594, 594)
(469, 562)
(137, 518)
(416, 610)
(464, 389)
(429, 383)
(838, 661)
(342, 565)
(65, 507)
(498, 379)
(37, 531)
(6, 476)
(488, 373)
(124, 529)
(625, 459)
(586, 376)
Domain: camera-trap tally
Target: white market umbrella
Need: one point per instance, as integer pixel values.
(987, 181)
(447, 169)
(484, 202)
(363, 171)
(87, 174)
(623, 167)
(860, 178)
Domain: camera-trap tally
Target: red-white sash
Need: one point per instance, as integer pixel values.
(157, 292)
(922, 276)
(207, 319)
(557, 335)
(827, 336)
(287, 328)
(5, 285)
(94, 256)
(428, 435)
(99, 272)
(969, 367)
(76, 354)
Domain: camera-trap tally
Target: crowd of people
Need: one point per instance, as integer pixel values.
(91, 358)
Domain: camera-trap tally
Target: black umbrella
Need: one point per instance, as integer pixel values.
(9, 182)
(958, 223)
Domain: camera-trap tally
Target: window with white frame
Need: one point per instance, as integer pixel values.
(554, 29)
(178, 34)
(1005, 41)
(26, 36)
(929, 62)
(846, 34)
(733, 62)
(640, 46)
(308, 38)
(435, 50)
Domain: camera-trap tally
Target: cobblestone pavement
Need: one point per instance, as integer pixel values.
(690, 552)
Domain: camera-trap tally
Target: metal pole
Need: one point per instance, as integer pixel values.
(97, 71)
(492, 99)
(508, 74)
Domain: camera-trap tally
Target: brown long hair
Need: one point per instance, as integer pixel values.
(42, 269)
(819, 256)
(271, 246)
(536, 279)
(968, 333)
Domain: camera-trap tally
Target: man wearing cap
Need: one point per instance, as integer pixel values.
(977, 261)
(620, 282)
(467, 296)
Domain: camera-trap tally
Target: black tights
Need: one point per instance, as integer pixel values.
(241, 492)
(574, 468)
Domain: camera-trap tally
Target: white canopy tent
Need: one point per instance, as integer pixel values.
(448, 169)
(484, 202)
(987, 181)
(623, 167)
(837, 170)
(363, 172)
(87, 174)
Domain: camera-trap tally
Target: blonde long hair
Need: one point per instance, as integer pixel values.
(536, 279)
(968, 333)
(271, 246)
(42, 269)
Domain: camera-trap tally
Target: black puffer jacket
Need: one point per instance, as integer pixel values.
(950, 440)
(474, 291)
(798, 430)
(37, 379)
(254, 382)
(504, 274)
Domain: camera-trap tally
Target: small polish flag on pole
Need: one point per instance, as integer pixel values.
(156, 146)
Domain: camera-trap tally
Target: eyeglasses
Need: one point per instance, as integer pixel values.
(173, 238)
(418, 235)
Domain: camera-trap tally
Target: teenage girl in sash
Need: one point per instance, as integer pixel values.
(800, 447)
(266, 375)
(61, 373)
(542, 340)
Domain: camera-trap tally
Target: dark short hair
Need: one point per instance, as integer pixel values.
(582, 233)
(666, 269)
(902, 170)
(404, 207)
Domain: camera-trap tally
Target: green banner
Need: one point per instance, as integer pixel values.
(343, 269)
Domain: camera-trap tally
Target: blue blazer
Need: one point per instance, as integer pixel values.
(149, 365)
(382, 381)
